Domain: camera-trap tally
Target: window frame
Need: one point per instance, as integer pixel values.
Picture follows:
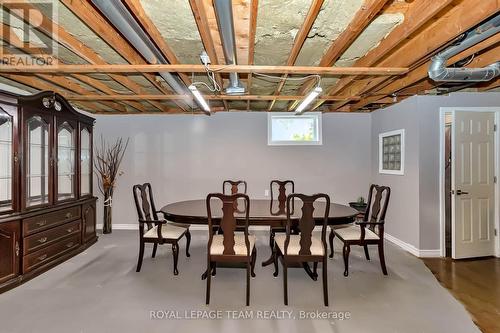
(381, 137)
(274, 115)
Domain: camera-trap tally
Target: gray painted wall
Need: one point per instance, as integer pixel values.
(186, 157)
(414, 209)
(403, 211)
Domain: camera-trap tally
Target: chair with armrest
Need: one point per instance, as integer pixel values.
(155, 230)
(369, 231)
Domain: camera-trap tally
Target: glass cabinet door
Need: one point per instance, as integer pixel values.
(85, 163)
(66, 150)
(38, 170)
(5, 161)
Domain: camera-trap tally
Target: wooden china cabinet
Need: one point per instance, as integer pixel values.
(47, 208)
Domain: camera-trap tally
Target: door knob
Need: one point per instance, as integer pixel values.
(460, 192)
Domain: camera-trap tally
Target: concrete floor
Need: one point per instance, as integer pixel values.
(99, 291)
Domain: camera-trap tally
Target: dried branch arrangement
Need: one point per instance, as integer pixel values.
(108, 158)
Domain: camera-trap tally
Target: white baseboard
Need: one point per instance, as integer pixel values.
(412, 249)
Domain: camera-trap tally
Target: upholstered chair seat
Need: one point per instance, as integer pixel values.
(240, 248)
(354, 233)
(167, 231)
(317, 248)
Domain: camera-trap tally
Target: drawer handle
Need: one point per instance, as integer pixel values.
(17, 249)
(70, 230)
(41, 223)
(42, 240)
(69, 215)
(42, 257)
(69, 245)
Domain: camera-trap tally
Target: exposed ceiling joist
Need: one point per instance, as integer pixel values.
(420, 73)
(9, 37)
(40, 84)
(104, 30)
(361, 20)
(181, 68)
(119, 97)
(140, 15)
(456, 21)
(418, 14)
(200, 16)
(52, 29)
(252, 27)
(301, 36)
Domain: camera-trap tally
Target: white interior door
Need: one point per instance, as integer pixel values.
(473, 188)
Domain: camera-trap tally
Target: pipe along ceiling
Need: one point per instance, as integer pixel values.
(440, 73)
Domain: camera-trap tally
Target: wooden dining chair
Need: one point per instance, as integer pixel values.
(369, 231)
(158, 231)
(278, 189)
(234, 186)
(303, 247)
(230, 246)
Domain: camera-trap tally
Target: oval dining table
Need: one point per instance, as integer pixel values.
(262, 213)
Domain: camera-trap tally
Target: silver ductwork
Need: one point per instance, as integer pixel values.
(439, 72)
(224, 13)
(116, 12)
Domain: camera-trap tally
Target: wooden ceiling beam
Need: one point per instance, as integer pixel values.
(53, 30)
(457, 20)
(254, 8)
(420, 73)
(102, 28)
(120, 97)
(188, 68)
(37, 83)
(300, 38)
(489, 85)
(150, 28)
(68, 84)
(200, 17)
(418, 14)
(362, 19)
(9, 37)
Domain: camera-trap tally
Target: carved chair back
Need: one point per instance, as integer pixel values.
(306, 222)
(234, 186)
(279, 191)
(228, 221)
(378, 200)
(144, 203)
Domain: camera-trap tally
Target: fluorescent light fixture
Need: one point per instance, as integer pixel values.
(309, 98)
(199, 98)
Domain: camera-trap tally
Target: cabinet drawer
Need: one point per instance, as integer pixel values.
(37, 241)
(49, 220)
(45, 255)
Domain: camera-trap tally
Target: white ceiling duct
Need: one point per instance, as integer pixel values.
(116, 12)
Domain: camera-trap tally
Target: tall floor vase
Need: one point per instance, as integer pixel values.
(107, 216)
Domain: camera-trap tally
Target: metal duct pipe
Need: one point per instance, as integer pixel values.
(439, 72)
(116, 12)
(224, 13)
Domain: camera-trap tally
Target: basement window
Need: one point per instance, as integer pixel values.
(290, 129)
(392, 152)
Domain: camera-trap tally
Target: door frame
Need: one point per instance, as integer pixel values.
(452, 110)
